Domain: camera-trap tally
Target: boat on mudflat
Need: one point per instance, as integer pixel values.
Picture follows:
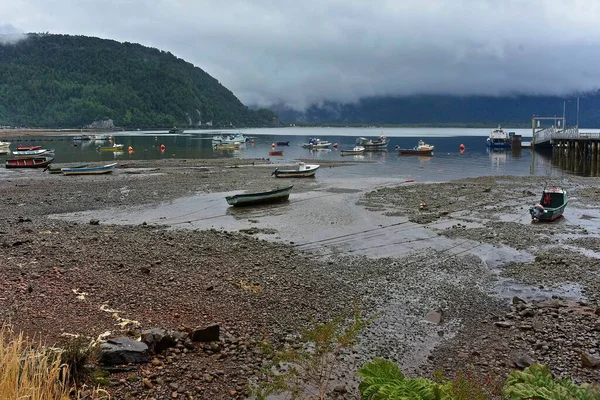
(34, 162)
(4, 144)
(271, 196)
(303, 171)
(106, 169)
(422, 149)
(373, 144)
(355, 151)
(33, 153)
(27, 148)
(58, 170)
(551, 206)
(276, 153)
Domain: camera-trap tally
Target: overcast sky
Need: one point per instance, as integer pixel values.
(305, 51)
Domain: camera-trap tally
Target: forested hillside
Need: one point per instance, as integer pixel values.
(71, 81)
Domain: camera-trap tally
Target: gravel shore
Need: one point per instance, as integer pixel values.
(478, 249)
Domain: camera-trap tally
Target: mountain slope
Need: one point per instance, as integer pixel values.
(446, 110)
(70, 81)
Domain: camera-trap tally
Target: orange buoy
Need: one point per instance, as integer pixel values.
(273, 145)
(462, 146)
(335, 145)
(162, 147)
(252, 141)
(130, 149)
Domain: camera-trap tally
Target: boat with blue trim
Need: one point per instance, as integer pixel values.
(106, 169)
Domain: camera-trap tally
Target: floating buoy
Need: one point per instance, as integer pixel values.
(252, 141)
(273, 145)
(462, 146)
(335, 145)
(130, 149)
(162, 147)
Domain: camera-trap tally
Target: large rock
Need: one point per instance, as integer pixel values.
(589, 360)
(159, 339)
(208, 333)
(123, 351)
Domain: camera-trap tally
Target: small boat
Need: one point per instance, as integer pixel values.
(33, 153)
(37, 162)
(175, 130)
(228, 139)
(303, 171)
(4, 144)
(271, 196)
(276, 153)
(114, 147)
(498, 139)
(282, 143)
(82, 137)
(356, 150)
(108, 168)
(422, 149)
(551, 206)
(58, 170)
(315, 143)
(373, 144)
(28, 148)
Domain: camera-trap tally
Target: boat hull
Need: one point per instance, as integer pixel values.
(551, 207)
(89, 171)
(497, 145)
(58, 170)
(413, 152)
(276, 153)
(273, 196)
(351, 152)
(111, 148)
(39, 162)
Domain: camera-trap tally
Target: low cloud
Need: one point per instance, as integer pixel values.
(10, 35)
(299, 53)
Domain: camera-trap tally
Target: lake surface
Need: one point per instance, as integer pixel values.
(447, 162)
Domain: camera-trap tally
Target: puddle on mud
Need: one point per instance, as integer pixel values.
(507, 289)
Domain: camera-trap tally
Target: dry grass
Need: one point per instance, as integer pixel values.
(29, 371)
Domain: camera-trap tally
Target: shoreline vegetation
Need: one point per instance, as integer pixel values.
(484, 292)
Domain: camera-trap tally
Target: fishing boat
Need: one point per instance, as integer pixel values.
(271, 196)
(33, 153)
(355, 151)
(37, 162)
(28, 148)
(373, 144)
(175, 130)
(282, 143)
(58, 170)
(276, 153)
(314, 143)
(498, 139)
(114, 147)
(303, 171)
(106, 169)
(551, 206)
(422, 149)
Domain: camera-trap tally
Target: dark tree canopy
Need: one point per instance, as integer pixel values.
(71, 81)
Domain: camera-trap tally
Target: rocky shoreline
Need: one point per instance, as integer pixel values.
(65, 277)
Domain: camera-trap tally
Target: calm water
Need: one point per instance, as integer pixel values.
(447, 162)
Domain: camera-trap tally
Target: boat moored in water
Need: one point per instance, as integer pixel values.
(114, 147)
(33, 153)
(373, 144)
(498, 139)
(421, 149)
(355, 151)
(303, 171)
(271, 196)
(314, 143)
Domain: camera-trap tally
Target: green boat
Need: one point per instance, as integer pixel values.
(551, 206)
(57, 170)
(247, 199)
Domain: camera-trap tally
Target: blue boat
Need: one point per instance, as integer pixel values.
(498, 139)
(108, 168)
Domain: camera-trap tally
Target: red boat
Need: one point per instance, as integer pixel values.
(27, 148)
(38, 162)
(276, 153)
